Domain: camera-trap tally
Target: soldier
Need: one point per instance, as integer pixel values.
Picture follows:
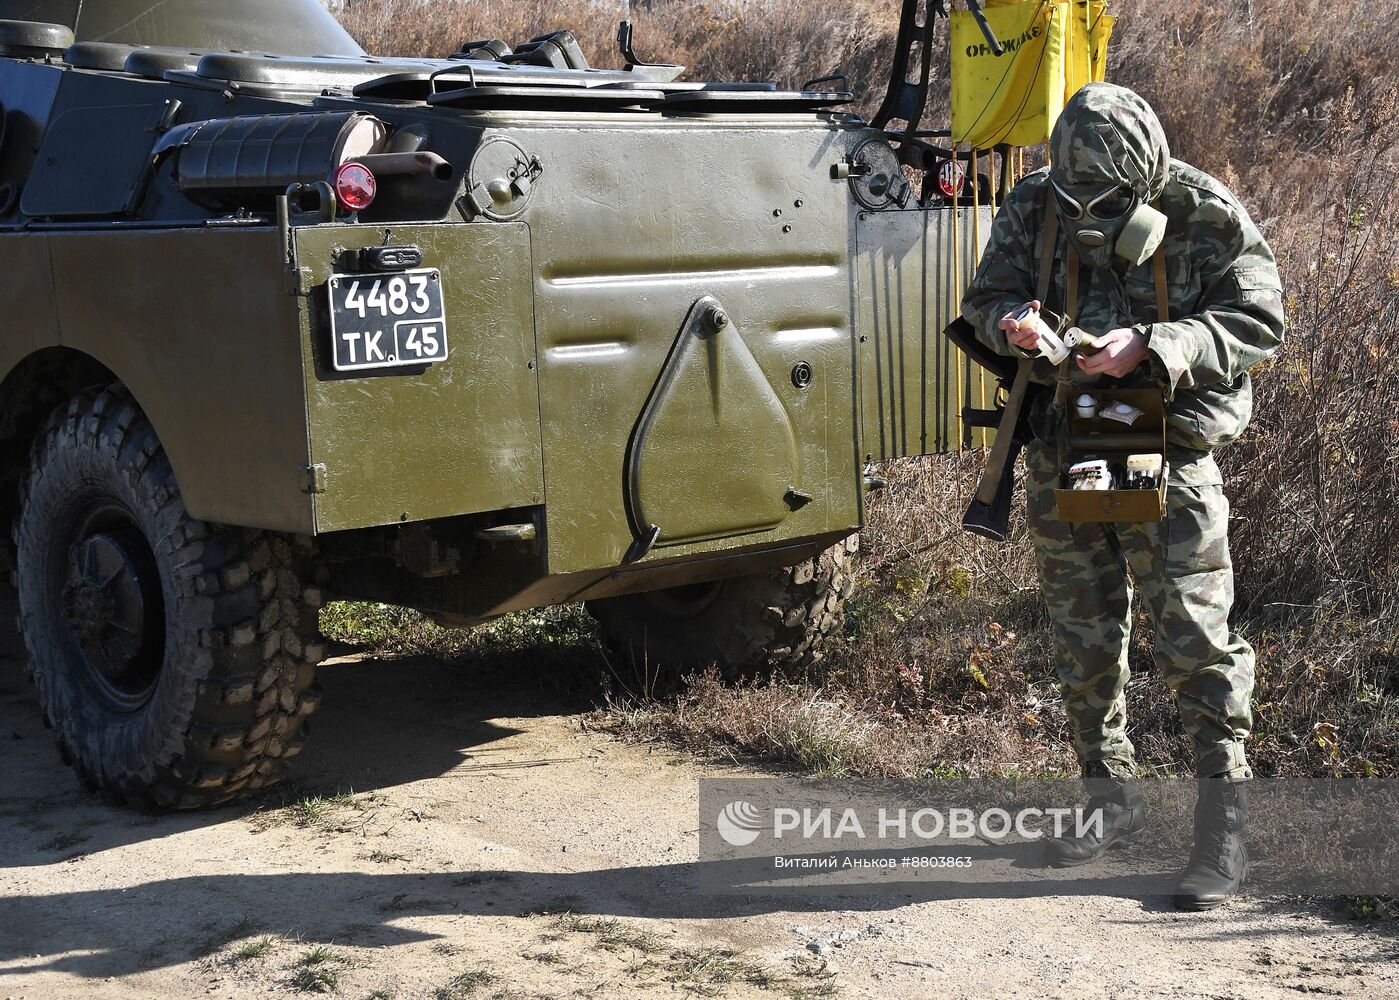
(1116, 197)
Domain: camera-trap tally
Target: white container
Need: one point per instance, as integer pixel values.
(1091, 475)
(1049, 343)
(1087, 406)
(1144, 471)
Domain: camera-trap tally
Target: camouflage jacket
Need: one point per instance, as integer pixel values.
(1225, 306)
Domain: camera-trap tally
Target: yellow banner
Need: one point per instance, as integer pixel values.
(1051, 50)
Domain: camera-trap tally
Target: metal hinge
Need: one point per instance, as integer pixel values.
(299, 282)
(313, 478)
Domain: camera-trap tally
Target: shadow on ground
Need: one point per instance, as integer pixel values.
(384, 724)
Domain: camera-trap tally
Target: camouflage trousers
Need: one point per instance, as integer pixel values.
(1181, 569)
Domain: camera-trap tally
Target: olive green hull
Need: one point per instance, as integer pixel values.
(584, 401)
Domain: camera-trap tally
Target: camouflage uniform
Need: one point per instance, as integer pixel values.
(1226, 316)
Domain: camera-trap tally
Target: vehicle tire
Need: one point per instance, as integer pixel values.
(175, 659)
(744, 626)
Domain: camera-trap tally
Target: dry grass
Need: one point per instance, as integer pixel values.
(467, 984)
(319, 970)
(693, 971)
(947, 665)
(786, 41)
(1265, 95)
(258, 948)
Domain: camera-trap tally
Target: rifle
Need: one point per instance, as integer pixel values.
(989, 512)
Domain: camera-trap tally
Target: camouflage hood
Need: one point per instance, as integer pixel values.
(1108, 137)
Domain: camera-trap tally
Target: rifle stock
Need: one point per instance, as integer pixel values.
(993, 520)
(989, 512)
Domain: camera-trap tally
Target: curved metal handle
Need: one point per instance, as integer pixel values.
(432, 77)
(325, 209)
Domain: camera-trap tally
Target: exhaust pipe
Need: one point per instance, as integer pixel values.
(421, 163)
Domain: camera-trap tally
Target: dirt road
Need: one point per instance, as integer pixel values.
(448, 835)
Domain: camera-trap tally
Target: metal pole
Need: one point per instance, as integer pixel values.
(976, 251)
(957, 360)
(1088, 37)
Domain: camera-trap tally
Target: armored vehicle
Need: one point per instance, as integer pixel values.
(469, 335)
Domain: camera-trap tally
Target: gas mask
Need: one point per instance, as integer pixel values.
(1103, 224)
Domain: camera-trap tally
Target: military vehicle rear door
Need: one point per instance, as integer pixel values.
(910, 270)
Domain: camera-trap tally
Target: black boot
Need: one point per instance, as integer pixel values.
(1218, 865)
(1124, 820)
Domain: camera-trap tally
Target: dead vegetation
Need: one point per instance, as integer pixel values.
(340, 812)
(946, 664)
(729, 39)
(707, 971)
(319, 970)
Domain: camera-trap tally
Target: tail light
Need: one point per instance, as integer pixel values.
(355, 186)
(952, 176)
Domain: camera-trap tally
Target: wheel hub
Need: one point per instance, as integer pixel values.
(109, 595)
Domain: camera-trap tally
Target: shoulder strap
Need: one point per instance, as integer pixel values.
(1046, 272)
(1051, 238)
(1163, 299)
(1071, 284)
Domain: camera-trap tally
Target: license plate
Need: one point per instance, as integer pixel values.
(387, 320)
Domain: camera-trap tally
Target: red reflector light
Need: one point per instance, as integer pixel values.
(951, 177)
(355, 187)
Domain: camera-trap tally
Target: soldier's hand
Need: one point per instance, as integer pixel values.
(1022, 333)
(1118, 353)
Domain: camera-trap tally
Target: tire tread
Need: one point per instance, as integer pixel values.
(251, 670)
(773, 621)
